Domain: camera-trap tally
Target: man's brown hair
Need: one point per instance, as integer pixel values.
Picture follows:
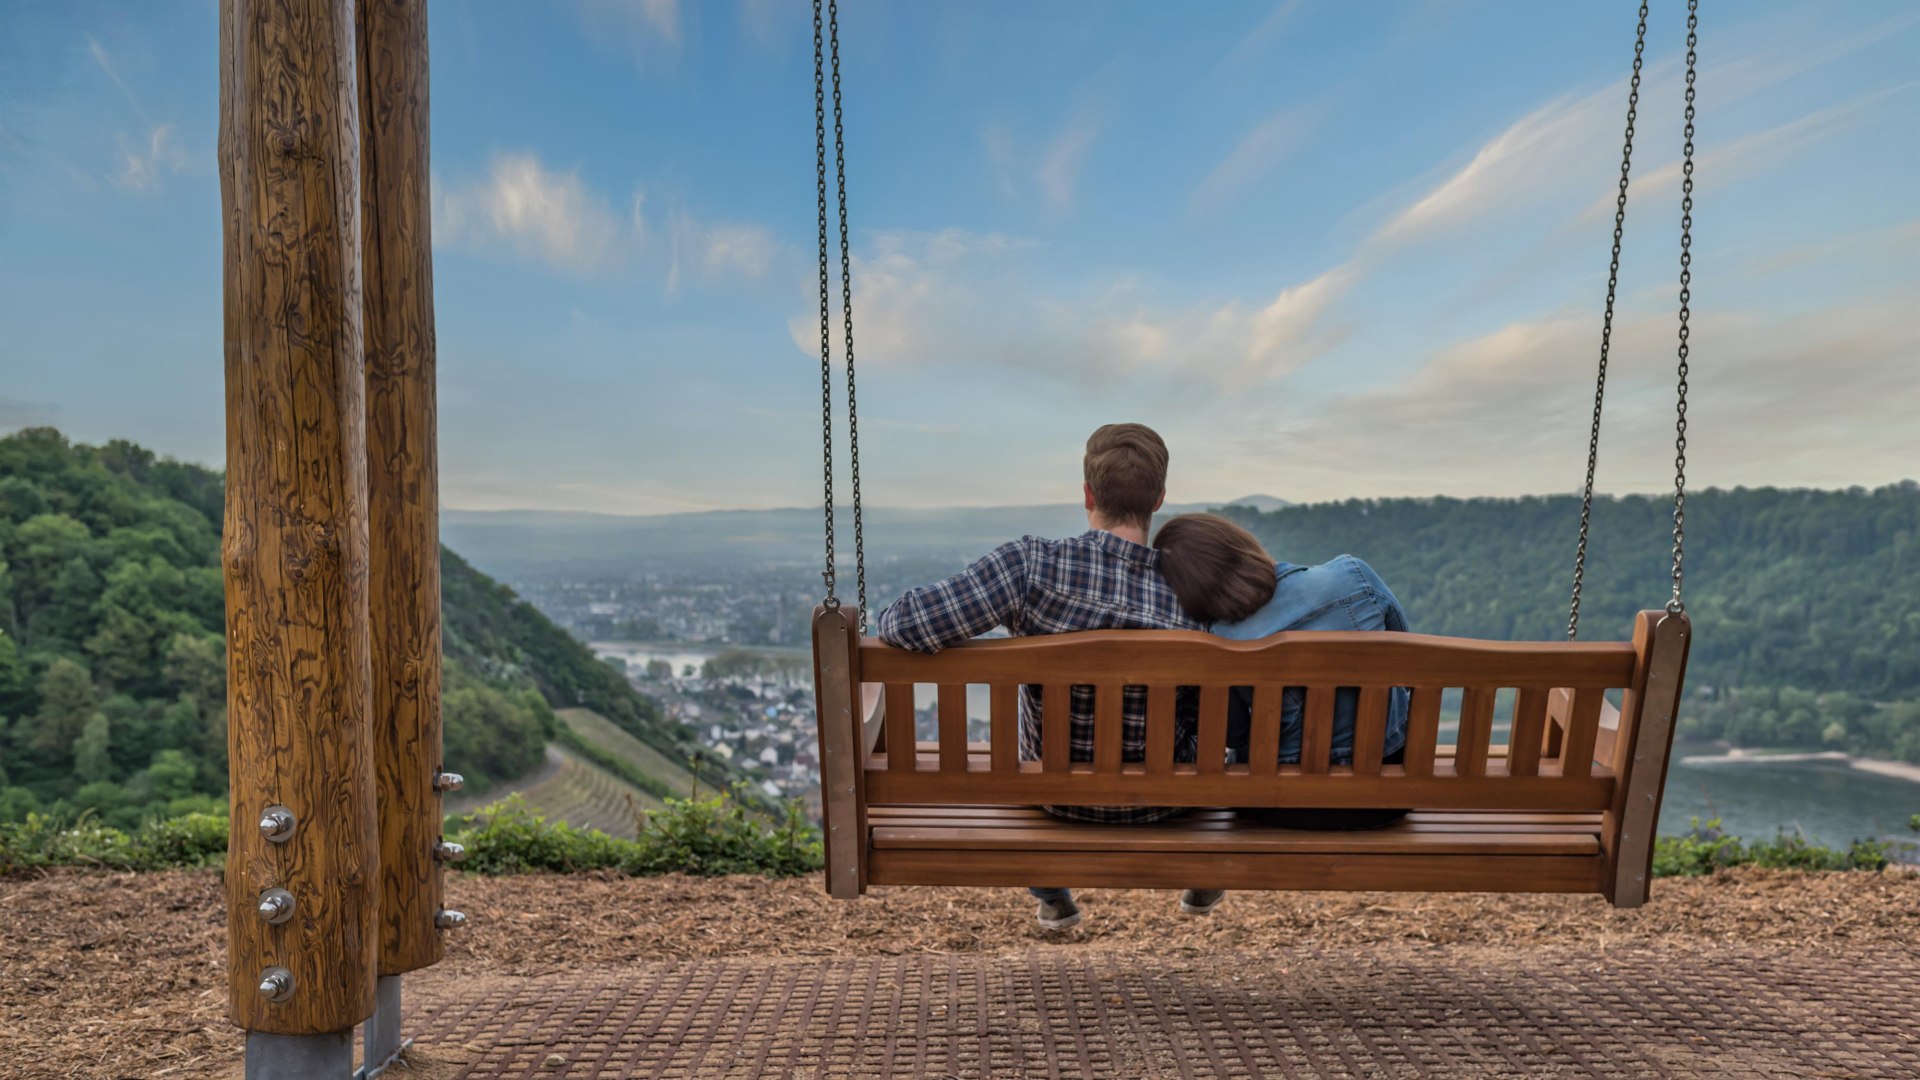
(1217, 569)
(1126, 467)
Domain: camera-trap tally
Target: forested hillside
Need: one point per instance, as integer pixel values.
(112, 657)
(1806, 604)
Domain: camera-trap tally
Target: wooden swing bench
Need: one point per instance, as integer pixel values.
(1569, 803)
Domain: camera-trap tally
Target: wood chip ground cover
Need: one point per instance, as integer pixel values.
(122, 975)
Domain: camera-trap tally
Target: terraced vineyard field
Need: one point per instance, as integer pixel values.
(575, 791)
(608, 736)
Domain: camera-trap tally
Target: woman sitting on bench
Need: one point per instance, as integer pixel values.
(1226, 581)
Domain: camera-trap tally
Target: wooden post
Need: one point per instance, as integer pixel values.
(403, 485)
(295, 538)
(1647, 721)
(836, 687)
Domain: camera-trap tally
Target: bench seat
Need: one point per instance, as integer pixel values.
(1492, 851)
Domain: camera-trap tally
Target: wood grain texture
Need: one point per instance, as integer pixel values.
(403, 473)
(1645, 744)
(899, 722)
(1527, 733)
(842, 795)
(953, 727)
(1263, 741)
(1108, 736)
(1296, 658)
(1004, 726)
(1423, 730)
(1242, 870)
(294, 543)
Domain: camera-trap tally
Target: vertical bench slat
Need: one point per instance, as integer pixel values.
(953, 727)
(1263, 743)
(1160, 721)
(1056, 727)
(1108, 701)
(1476, 727)
(1316, 735)
(1524, 737)
(1004, 720)
(1213, 729)
(1423, 729)
(1369, 731)
(900, 736)
(1583, 726)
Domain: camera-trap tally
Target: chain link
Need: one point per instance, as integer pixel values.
(846, 309)
(1676, 605)
(1606, 327)
(831, 601)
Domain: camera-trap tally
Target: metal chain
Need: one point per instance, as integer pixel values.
(846, 309)
(831, 601)
(1606, 328)
(1675, 605)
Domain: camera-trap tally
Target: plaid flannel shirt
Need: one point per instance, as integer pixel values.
(1094, 581)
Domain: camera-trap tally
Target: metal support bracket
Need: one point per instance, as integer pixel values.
(381, 1034)
(299, 1057)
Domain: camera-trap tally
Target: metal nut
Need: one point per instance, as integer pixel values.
(448, 851)
(276, 984)
(448, 781)
(450, 920)
(276, 906)
(277, 824)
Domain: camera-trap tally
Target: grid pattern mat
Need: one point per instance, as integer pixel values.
(1505, 1013)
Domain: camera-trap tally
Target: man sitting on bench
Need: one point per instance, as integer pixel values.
(1107, 578)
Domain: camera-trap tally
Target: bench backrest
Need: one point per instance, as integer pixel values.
(1568, 749)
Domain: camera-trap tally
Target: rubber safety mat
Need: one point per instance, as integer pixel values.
(1644, 1013)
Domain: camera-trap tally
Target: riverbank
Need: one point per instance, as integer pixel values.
(1900, 770)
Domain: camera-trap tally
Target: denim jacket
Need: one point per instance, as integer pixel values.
(1344, 594)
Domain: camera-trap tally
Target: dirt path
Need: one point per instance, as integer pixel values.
(1746, 974)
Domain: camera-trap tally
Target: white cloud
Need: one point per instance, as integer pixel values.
(1903, 237)
(1059, 171)
(534, 212)
(112, 70)
(1257, 152)
(141, 167)
(1813, 398)
(718, 249)
(964, 299)
(1749, 154)
(649, 29)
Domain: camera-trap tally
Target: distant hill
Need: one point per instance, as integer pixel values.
(112, 659)
(527, 542)
(1806, 604)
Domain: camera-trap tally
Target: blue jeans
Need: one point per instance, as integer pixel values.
(1051, 894)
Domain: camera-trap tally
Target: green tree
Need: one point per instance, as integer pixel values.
(67, 702)
(92, 757)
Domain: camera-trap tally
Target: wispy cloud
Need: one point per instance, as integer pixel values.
(1755, 152)
(1903, 238)
(534, 212)
(962, 299)
(1257, 152)
(651, 30)
(106, 63)
(1784, 398)
(141, 167)
(1059, 172)
(718, 249)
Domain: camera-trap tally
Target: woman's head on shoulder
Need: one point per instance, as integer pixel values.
(1217, 570)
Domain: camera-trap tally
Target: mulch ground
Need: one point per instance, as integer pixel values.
(1749, 973)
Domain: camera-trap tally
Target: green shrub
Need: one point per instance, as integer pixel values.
(704, 836)
(1702, 849)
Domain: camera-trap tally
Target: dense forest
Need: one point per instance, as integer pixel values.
(112, 655)
(1806, 604)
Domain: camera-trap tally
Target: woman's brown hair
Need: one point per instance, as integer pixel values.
(1219, 572)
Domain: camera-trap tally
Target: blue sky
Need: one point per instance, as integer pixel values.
(1327, 249)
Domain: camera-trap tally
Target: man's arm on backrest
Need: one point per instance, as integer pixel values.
(968, 604)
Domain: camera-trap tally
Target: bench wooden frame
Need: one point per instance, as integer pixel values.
(1568, 804)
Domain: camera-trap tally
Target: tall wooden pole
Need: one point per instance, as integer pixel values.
(403, 484)
(303, 861)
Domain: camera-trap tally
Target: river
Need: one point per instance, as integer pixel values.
(1827, 801)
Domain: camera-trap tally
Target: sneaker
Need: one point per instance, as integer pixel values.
(1201, 901)
(1059, 914)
